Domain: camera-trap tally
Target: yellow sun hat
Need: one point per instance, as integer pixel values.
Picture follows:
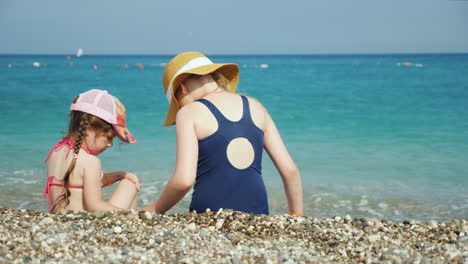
(193, 62)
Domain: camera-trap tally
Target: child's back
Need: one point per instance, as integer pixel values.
(58, 164)
(74, 174)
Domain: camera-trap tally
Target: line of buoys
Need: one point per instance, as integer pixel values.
(409, 64)
(142, 66)
(95, 66)
(261, 66)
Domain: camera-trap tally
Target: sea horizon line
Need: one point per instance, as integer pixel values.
(241, 54)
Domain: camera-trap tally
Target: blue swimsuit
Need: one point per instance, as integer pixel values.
(219, 184)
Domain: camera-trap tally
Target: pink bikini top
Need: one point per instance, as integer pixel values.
(70, 144)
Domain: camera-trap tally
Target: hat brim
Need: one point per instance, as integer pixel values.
(124, 134)
(228, 70)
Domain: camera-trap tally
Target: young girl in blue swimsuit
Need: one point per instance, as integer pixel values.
(74, 171)
(220, 141)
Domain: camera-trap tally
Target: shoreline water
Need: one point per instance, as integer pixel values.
(319, 202)
(224, 237)
(371, 136)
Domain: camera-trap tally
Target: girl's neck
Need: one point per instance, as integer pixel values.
(217, 90)
(199, 93)
(83, 146)
(87, 150)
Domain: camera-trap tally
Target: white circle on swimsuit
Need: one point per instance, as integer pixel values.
(240, 153)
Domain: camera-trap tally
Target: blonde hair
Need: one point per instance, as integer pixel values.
(221, 80)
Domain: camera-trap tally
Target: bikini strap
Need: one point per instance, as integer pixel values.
(50, 182)
(47, 192)
(70, 143)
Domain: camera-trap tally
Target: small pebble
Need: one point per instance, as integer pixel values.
(99, 214)
(191, 227)
(117, 229)
(46, 220)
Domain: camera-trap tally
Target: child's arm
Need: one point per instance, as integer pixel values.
(186, 164)
(285, 165)
(111, 177)
(92, 195)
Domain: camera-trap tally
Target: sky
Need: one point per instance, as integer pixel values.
(233, 27)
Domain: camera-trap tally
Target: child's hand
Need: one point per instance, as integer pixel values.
(133, 178)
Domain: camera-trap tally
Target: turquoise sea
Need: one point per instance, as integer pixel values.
(371, 136)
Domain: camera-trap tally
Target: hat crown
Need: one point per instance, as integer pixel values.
(176, 64)
(97, 102)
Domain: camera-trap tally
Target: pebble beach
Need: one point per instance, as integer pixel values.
(225, 236)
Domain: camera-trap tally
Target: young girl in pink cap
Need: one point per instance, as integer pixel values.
(74, 172)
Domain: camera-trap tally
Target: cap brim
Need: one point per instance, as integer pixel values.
(124, 134)
(228, 70)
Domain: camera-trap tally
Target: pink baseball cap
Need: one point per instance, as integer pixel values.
(107, 107)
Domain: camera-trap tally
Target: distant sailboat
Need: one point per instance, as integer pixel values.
(79, 52)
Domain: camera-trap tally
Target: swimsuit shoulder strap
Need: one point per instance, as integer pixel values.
(70, 144)
(246, 109)
(213, 109)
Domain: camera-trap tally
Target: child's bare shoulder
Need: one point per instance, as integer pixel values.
(189, 112)
(90, 162)
(255, 103)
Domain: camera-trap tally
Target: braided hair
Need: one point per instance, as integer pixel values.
(78, 126)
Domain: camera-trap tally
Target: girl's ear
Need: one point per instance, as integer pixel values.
(183, 89)
(181, 92)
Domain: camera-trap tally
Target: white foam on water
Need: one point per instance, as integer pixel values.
(24, 172)
(383, 205)
(375, 213)
(24, 176)
(363, 202)
(23, 205)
